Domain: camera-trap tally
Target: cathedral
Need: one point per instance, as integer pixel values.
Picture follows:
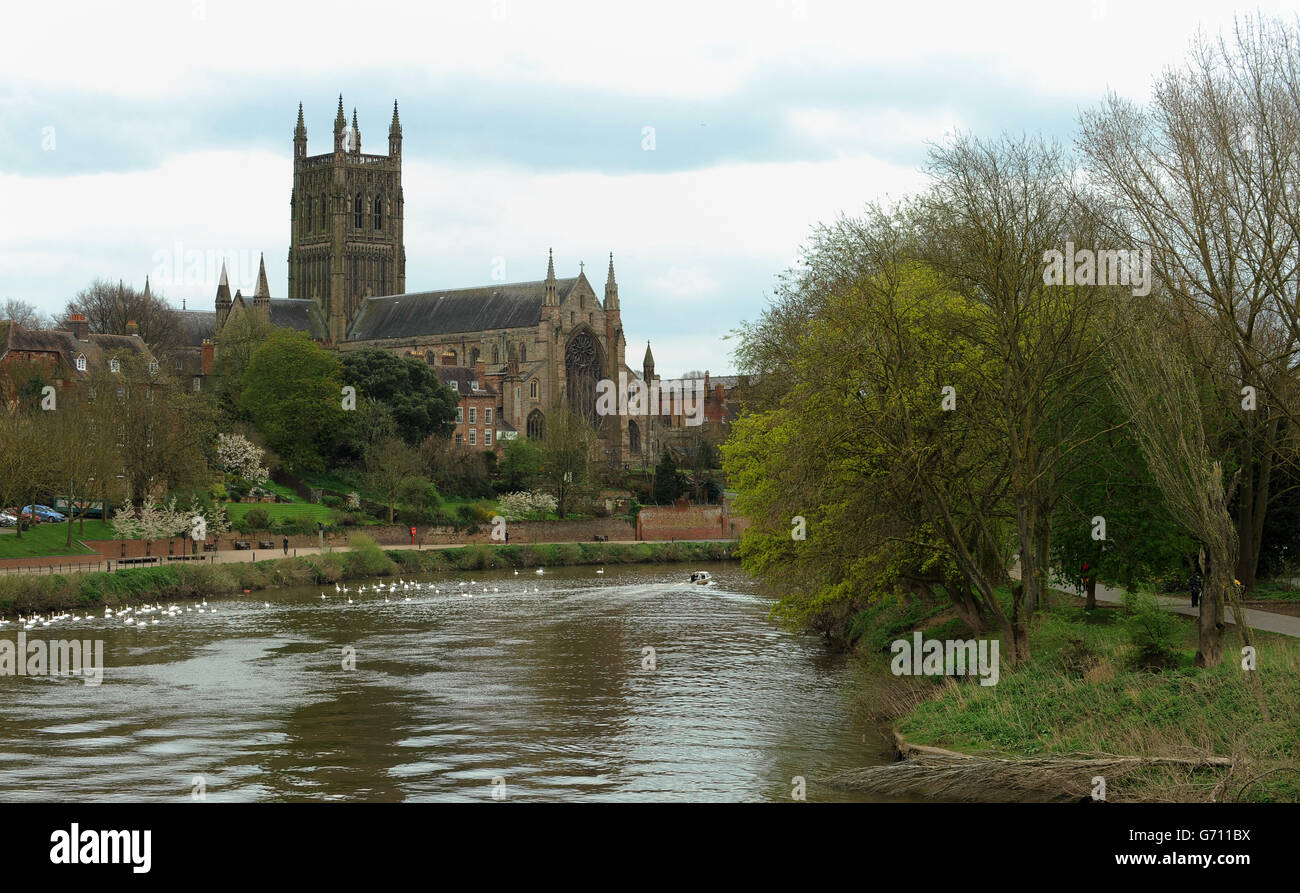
(516, 352)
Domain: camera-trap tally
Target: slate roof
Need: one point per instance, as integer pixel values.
(197, 325)
(498, 306)
(97, 349)
(302, 314)
(463, 375)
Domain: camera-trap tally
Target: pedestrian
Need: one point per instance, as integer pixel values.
(286, 545)
(1194, 584)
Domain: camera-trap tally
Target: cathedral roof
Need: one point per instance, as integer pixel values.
(196, 325)
(302, 314)
(463, 376)
(498, 306)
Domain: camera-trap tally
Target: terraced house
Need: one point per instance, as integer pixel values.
(64, 358)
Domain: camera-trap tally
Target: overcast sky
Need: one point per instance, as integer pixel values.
(135, 134)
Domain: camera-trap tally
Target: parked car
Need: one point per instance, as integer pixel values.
(44, 512)
(8, 520)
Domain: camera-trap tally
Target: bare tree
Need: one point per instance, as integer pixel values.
(24, 313)
(109, 308)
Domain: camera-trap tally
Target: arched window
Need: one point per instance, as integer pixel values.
(379, 213)
(430, 358)
(532, 389)
(523, 353)
(473, 356)
(322, 210)
(308, 214)
(536, 425)
(582, 365)
(496, 354)
(634, 437)
(356, 211)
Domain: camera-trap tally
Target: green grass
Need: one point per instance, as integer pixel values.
(1080, 694)
(278, 511)
(50, 539)
(1279, 590)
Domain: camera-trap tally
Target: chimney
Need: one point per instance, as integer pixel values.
(480, 372)
(80, 328)
(209, 354)
(706, 381)
(132, 329)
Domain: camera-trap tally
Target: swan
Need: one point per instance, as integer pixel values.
(600, 570)
(541, 570)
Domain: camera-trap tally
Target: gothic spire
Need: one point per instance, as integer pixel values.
(356, 132)
(147, 296)
(300, 132)
(395, 129)
(263, 290)
(611, 286)
(649, 362)
(551, 298)
(223, 287)
(340, 119)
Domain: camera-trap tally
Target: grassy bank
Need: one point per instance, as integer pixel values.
(1087, 691)
(32, 594)
(51, 539)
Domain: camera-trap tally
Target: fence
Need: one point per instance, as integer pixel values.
(109, 565)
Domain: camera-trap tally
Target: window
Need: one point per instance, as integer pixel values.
(356, 211)
(487, 416)
(472, 432)
(473, 385)
(308, 214)
(532, 389)
(454, 385)
(496, 354)
(198, 382)
(178, 364)
(322, 210)
(460, 415)
(114, 366)
(379, 213)
(473, 356)
(153, 367)
(487, 437)
(473, 415)
(92, 393)
(460, 438)
(523, 353)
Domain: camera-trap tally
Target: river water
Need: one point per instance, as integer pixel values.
(524, 686)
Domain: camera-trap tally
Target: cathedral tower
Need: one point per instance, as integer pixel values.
(345, 239)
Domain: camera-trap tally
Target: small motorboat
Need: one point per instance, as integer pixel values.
(703, 578)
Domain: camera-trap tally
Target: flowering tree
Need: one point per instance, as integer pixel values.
(238, 455)
(521, 505)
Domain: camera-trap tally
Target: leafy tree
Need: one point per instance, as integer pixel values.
(420, 403)
(567, 448)
(240, 339)
(292, 392)
(520, 466)
(668, 484)
(390, 465)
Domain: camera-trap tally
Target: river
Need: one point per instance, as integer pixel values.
(524, 686)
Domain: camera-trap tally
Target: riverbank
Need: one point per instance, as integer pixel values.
(41, 594)
(1086, 706)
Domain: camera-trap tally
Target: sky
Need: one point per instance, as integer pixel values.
(700, 142)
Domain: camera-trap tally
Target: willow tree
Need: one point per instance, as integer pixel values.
(1153, 381)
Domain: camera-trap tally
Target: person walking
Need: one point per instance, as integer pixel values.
(1194, 584)
(286, 545)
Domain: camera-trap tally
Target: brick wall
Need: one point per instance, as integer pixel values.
(698, 522)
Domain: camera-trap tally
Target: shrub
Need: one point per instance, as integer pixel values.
(256, 519)
(364, 558)
(1151, 630)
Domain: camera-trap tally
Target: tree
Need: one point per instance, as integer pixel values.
(238, 455)
(241, 336)
(420, 403)
(292, 392)
(1204, 179)
(110, 306)
(390, 464)
(568, 445)
(24, 466)
(24, 313)
(521, 465)
(668, 484)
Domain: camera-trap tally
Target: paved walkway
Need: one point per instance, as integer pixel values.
(1262, 620)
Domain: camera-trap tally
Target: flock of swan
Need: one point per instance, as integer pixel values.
(149, 615)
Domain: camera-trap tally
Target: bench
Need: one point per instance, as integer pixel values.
(209, 547)
(184, 557)
(266, 544)
(243, 544)
(153, 559)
